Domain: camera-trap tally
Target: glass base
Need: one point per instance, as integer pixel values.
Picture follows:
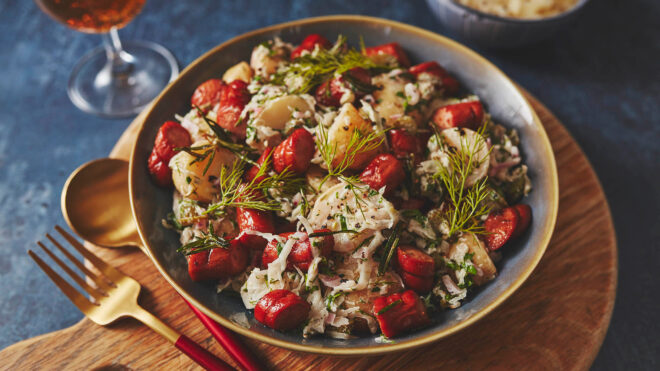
(96, 88)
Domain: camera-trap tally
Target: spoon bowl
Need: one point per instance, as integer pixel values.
(96, 204)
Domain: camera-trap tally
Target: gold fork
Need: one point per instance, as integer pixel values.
(115, 296)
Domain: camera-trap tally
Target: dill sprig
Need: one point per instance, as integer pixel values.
(222, 139)
(321, 65)
(208, 241)
(358, 144)
(465, 203)
(251, 195)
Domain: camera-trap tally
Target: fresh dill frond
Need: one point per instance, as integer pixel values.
(208, 241)
(316, 67)
(224, 139)
(252, 195)
(358, 144)
(466, 204)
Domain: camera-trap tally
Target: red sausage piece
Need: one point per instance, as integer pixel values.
(207, 94)
(525, 214)
(398, 313)
(462, 115)
(330, 92)
(449, 84)
(218, 263)
(393, 49)
(309, 43)
(404, 143)
(254, 170)
(281, 310)
(160, 172)
(171, 135)
(301, 254)
(415, 261)
(500, 226)
(254, 220)
(384, 170)
(419, 284)
(295, 153)
(232, 101)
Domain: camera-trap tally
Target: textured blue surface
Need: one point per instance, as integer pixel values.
(601, 77)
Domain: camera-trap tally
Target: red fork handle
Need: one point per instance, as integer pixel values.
(200, 355)
(230, 342)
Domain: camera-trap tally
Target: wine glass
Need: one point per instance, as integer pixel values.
(117, 79)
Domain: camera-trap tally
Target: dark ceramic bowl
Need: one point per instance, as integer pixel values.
(492, 31)
(503, 100)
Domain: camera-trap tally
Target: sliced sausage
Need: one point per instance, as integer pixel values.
(254, 220)
(392, 49)
(400, 312)
(254, 170)
(232, 101)
(281, 310)
(403, 143)
(159, 170)
(383, 171)
(301, 254)
(218, 263)
(309, 43)
(525, 214)
(419, 284)
(295, 153)
(448, 83)
(462, 115)
(500, 226)
(171, 135)
(356, 82)
(207, 94)
(415, 261)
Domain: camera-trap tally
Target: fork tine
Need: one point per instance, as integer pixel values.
(108, 270)
(100, 281)
(80, 301)
(81, 282)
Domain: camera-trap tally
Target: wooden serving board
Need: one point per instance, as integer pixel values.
(556, 320)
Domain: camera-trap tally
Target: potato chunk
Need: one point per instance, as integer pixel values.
(240, 71)
(265, 59)
(189, 178)
(486, 270)
(341, 131)
(270, 122)
(391, 102)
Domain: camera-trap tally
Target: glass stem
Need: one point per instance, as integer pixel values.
(119, 61)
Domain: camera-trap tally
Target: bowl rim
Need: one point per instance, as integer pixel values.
(523, 21)
(546, 231)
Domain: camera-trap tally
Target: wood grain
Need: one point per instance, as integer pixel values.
(556, 321)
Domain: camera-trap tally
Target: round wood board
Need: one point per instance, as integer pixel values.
(557, 320)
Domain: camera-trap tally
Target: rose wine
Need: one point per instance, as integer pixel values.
(92, 16)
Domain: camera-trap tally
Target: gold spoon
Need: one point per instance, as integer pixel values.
(96, 205)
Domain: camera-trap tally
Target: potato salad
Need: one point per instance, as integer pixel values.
(341, 190)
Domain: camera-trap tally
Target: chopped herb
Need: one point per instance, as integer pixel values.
(331, 299)
(390, 306)
(208, 241)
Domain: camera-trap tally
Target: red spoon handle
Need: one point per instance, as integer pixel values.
(230, 342)
(200, 355)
